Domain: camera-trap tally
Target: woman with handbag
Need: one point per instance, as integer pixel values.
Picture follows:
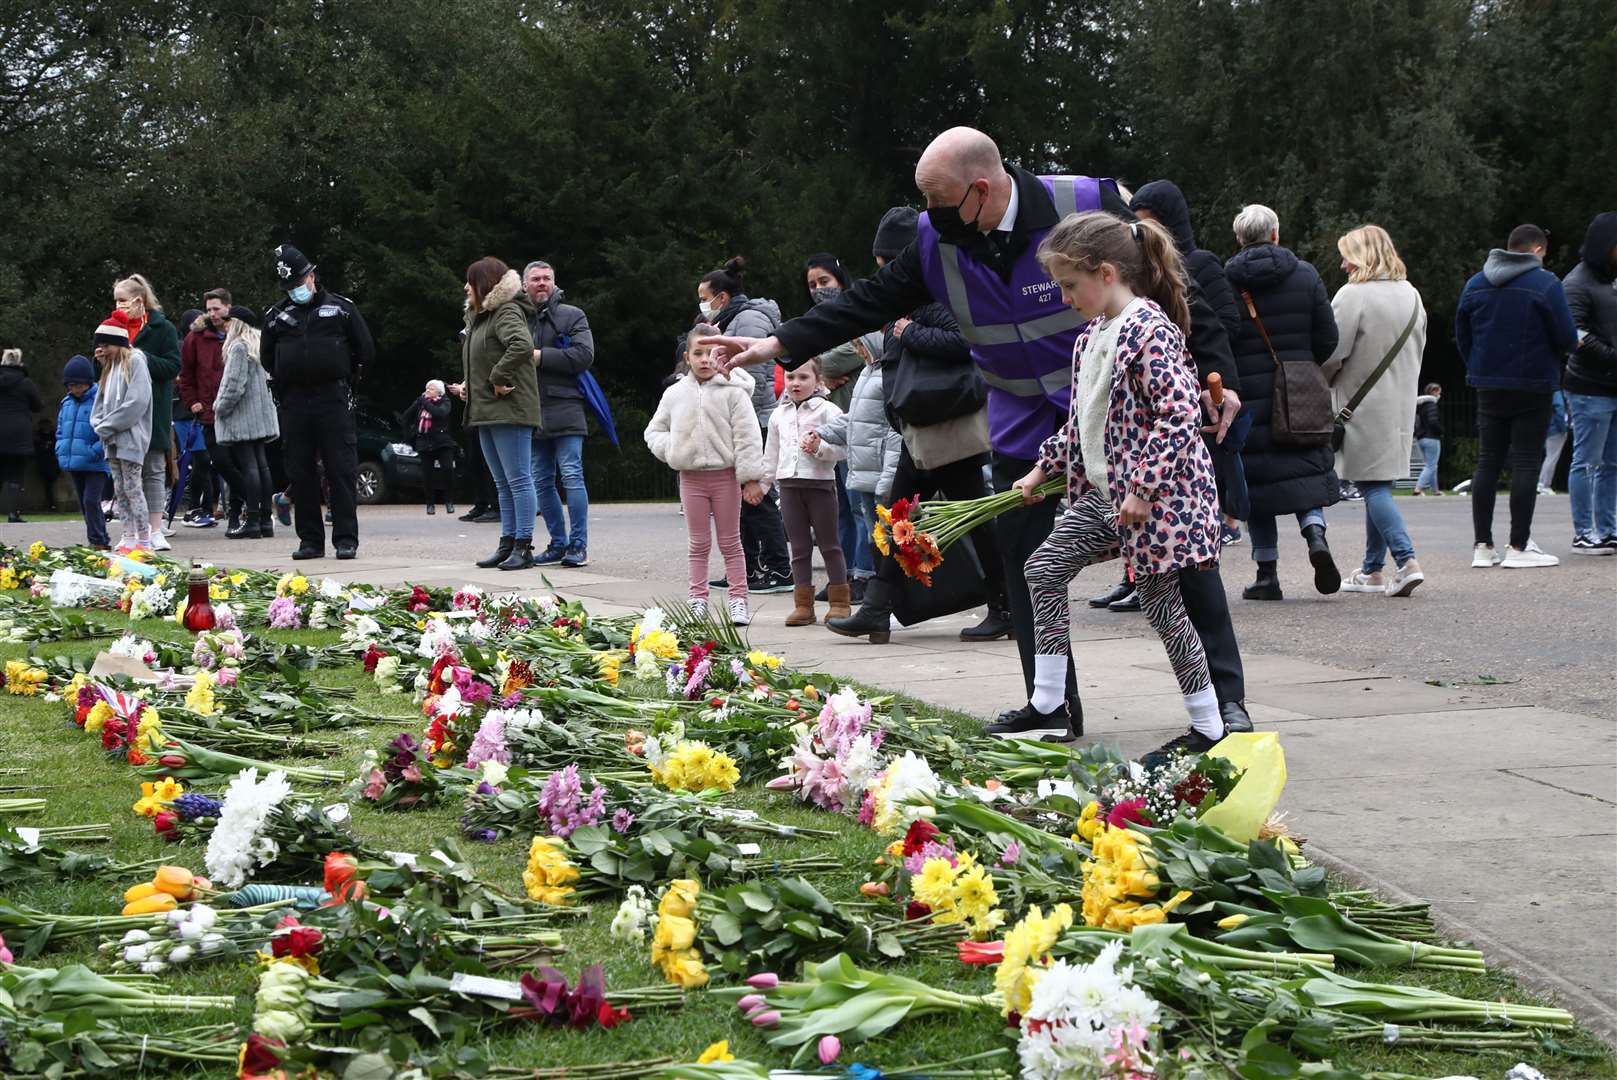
(1374, 372)
(1287, 330)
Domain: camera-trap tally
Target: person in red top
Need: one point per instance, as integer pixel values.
(202, 364)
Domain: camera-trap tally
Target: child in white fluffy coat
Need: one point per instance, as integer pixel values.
(804, 466)
(705, 428)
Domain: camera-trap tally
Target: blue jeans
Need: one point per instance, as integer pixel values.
(1266, 535)
(1383, 526)
(507, 448)
(864, 515)
(855, 542)
(567, 453)
(1593, 480)
(1431, 450)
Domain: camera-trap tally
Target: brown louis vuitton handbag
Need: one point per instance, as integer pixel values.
(1300, 414)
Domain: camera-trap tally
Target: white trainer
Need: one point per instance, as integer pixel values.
(1359, 581)
(738, 612)
(1530, 556)
(1484, 556)
(698, 606)
(160, 542)
(1403, 582)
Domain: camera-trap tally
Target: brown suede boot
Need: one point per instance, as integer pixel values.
(803, 606)
(840, 597)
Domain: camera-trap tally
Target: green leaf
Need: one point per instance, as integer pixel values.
(427, 1020)
(726, 927)
(369, 1067)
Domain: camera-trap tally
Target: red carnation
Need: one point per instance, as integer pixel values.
(1127, 813)
(916, 910)
(920, 831)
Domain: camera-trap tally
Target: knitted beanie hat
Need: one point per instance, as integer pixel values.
(114, 330)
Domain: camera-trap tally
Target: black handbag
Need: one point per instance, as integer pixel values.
(958, 584)
(923, 392)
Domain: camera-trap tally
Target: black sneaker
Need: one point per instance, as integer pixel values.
(283, 509)
(1588, 545)
(1112, 595)
(772, 582)
(552, 554)
(486, 517)
(1191, 742)
(471, 515)
(719, 583)
(576, 556)
(1029, 723)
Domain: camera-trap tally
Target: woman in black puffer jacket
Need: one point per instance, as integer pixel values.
(1290, 299)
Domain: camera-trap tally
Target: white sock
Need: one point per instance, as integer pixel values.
(1204, 716)
(1049, 682)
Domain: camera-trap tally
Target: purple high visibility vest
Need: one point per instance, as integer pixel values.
(1020, 333)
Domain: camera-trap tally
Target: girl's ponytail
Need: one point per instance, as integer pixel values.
(1162, 271)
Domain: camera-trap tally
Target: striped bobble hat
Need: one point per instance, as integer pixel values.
(114, 330)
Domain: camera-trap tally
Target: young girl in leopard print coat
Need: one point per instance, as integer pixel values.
(1139, 479)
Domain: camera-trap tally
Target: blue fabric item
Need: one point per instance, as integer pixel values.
(1514, 328)
(1265, 534)
(1593, 479)
(508, 449)
(864, 510)
(564, 452)
(1431, 450)
(855, 542)
(595, 398)
(1559, 425)
(78, 448)
(1383, 527)
(303, 897)
(78, 369)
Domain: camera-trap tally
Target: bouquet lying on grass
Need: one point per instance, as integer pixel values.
(917, 533)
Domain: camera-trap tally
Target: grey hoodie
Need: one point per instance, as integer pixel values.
(1505, 266)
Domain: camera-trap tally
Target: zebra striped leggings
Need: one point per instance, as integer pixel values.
(1085, 534)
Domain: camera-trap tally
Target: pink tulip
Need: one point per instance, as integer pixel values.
(761, 1007)
(5, 953)
(830, 1049)
(782, 783)
(766, 1019)
(751, 1001)
(765, 980)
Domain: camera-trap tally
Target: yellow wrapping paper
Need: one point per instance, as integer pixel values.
(1258, 754)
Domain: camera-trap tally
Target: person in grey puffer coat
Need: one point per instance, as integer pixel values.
(873, 451)
(244, 421)
(723, 301)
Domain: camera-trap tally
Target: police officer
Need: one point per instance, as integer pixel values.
(316, 345)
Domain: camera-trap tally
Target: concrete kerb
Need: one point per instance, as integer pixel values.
(1598, 1016)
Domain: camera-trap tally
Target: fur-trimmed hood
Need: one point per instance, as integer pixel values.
(507, 290)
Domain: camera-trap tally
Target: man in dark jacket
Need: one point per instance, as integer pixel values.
(1513, 326)
(1163, 201)
(984, 221)
(1591, 389)
(564, 349)
(316, 345)
(201, 366)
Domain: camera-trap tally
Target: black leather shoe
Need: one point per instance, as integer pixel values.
(995, 626)
(1131, 602)
(1327, 578)
(432, 508)
(1266, 586)
(1112, 595)
(521, 556)
(307, 552)
(347, 551)
(1235, 717)
(871, 620)
(471, 515)
(487, 516)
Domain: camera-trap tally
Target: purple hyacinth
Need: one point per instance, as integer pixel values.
(191, 806)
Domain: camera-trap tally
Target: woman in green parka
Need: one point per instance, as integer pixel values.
(501, 391)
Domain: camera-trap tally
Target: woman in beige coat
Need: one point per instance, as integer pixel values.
(1373, 311)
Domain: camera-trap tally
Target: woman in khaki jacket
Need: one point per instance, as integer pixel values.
(501, 391)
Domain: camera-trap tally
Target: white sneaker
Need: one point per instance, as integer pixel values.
(698, 606)
(1484, 556)
(1403, 582)
(1545, 489)
(160, 542)
(1529, 556)
(1359, 581)
(738, 612)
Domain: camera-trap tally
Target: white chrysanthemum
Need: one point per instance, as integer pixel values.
(1078, 1014)
(360, 629)
(437, 639)
(859, 765)
(912, 783)
(247, 807)
(130, 646)
(652, 620)
(331, 590)
(844, 702)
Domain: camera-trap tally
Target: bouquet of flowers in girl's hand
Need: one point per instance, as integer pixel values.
(917, 533)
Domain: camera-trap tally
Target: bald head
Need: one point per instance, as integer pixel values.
(960, 155)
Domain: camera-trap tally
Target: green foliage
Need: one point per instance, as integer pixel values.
(636, 146)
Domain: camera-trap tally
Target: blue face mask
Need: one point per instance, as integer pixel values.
(301, 295)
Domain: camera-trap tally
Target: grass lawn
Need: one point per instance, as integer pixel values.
(83, 785)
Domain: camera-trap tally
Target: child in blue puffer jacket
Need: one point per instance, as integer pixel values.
(79, 450)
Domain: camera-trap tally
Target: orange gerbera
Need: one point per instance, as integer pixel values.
(903, 533)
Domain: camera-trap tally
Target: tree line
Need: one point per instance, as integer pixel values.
(636, 145)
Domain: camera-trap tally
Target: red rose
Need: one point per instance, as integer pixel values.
(259, 1055)
(916, 910)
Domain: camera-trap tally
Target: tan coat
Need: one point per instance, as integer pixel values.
(1370, 316)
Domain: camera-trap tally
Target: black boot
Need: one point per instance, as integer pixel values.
(247, 528)
(432, 507)
(1266, 586)
(872, 620)
(236, 524)
(501, 553)
(449, 507)
(1327, 578)
(521, 556)
(995, 625)
(266, 523)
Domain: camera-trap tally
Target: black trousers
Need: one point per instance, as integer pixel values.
(438, 473)
(956, 481)
(317, 426)
(1209, 611)
(253, 487)
(1511, 425)
(1020, 532)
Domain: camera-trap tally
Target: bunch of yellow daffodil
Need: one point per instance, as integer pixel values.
(760, 659)
(1027, 953)
(696, 766)
(549, 877)
(24, 680)
(1119, 877)
(148, 730)
(153, 797)
(673, 945)
(607, 664)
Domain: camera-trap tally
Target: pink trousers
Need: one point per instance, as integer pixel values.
(714, 492)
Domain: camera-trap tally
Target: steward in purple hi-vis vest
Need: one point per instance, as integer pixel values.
(1010, 312)
(1020, 332)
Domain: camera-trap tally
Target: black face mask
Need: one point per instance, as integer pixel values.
(950, 226)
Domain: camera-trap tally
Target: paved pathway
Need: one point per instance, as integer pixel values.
(1499, 809)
